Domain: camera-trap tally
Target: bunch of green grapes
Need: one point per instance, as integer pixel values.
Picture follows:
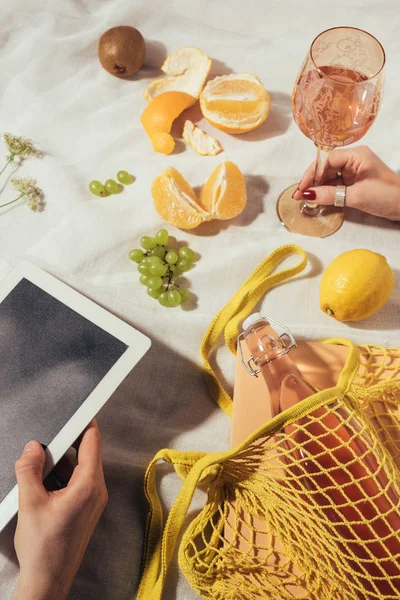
(160, 267)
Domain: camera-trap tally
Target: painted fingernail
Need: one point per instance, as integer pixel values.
(309, 195)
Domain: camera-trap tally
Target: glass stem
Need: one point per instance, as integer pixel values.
(320, 164)
(308, 208)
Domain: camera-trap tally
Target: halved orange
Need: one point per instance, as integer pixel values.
(158, 116)
(222, 197)
(235, 103)
(224, 194)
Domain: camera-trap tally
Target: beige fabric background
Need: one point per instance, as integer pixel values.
(87, 122)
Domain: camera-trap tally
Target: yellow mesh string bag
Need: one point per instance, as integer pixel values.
(308, 506)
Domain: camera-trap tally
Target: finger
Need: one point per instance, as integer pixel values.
(89, 453)
(29, 472)
(337, 160)
(298, 195)
(308, 180)
(325, 195)
(334, 182)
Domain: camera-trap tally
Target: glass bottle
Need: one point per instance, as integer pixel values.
(333, 463)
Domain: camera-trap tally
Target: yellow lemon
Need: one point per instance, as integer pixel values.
(356, 285)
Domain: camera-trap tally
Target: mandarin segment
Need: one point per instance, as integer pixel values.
(204, 144)
(158, 116)
(235, 103)
(175, 201)
(188, 69)
(224, 194)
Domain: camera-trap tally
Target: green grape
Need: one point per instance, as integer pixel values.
(124, 177)
(176, 273)
(143, 269)
(154, 293)
(97, 188)
(136, 255)
(154, 282)
(185, 295)
(156, 269)
(148, 243)
(144, 279)
(186, 253)
(171, 257)
(163, 299)
(184, 265)
(112, 186)
(158, 251)
(154, 260)
(146, 261)
(162, 237)
(174, 298)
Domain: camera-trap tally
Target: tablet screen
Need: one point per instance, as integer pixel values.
(51, 359)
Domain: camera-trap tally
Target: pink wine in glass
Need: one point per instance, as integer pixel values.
(330, 109)
(336, 98)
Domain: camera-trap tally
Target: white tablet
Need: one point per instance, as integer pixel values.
(61, 358)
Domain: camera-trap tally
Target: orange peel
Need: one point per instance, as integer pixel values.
(235, 103)
(188, 69)
(158, 116)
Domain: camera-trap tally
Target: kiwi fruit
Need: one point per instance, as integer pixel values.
(121, 51)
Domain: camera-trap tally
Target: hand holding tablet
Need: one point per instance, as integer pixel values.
(54, 529)
(61, 358)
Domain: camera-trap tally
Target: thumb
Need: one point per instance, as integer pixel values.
(29, 472)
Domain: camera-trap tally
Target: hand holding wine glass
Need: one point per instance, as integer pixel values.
(372, 186)
(335, 101)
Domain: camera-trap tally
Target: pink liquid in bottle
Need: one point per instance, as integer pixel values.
(332, 459)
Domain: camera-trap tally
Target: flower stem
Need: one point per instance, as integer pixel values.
(11, 202)
(10, 159)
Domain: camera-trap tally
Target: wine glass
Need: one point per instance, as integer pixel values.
(335, 101)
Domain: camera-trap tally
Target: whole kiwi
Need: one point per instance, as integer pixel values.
(121, 50)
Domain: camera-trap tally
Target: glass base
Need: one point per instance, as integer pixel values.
(326, 222)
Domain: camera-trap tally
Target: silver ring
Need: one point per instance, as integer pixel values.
(340, 196)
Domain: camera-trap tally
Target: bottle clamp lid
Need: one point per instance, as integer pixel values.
(285, 341)
(251, 320)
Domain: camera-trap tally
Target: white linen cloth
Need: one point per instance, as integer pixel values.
(54, 90)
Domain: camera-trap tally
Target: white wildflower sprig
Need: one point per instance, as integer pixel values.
(28, 189)
(20, 147)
